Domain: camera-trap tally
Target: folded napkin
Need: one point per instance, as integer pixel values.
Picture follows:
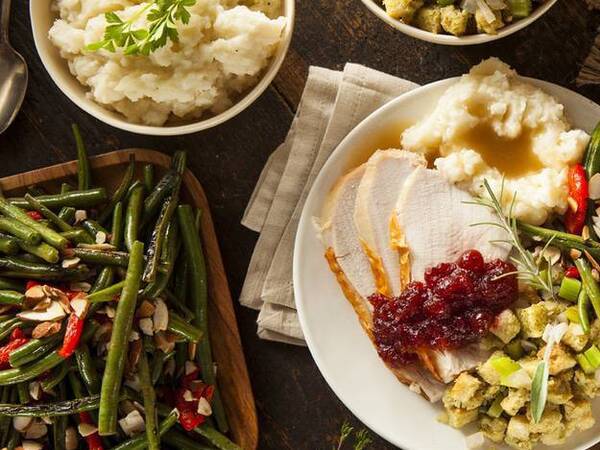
(332, 104)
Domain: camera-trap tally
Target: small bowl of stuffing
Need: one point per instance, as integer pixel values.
(459, 22)
(167, 67)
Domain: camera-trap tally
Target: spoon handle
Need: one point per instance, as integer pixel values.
(4, 19)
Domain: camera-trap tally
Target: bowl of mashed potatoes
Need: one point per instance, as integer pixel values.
(218, 57)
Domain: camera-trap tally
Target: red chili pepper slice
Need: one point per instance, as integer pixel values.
(8, 349)
(188, 412)
(578, 191)
(17, 333)
(35, 215)
(72, 336)
(93, 440)
(572, 272)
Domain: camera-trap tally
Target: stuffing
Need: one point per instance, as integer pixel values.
(506, 326)
(517, 433)
(550, 427)
(466, 393)
(488, 27)
(533, 320)
(575, 337)
(454, 20)
(487, 372)
(585, 384)
(402, 9)
(514, 401)
(554, 308)
(493, 429)
(429, 18)
(578, 414)
(560, 359)
(559, 388)
(458, 417)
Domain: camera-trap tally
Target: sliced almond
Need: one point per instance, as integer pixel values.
(45, 329)
(36, 430)
(54, 312)
(192, 348)
(146, 326)
(204, 407)
(574, 253)
(190, 367)
(133, 423)
(35, 292)
(585, 232)
(163, 342)
(86, 429)
(71, 439)
(69, 263)
(596, 275)
(21, 423)
(42, 305)
(146, 309)
(160, 316)
(594, 187)
(80, 306)
(100, 237)
(135, 351)
(110, 312)
(47, 420)
(80, 215)
(188, 396)
(134, 336)
(31, 445)
(573, 206)
(35, 390)
(80, 286)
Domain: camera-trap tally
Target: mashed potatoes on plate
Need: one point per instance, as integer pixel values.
(491, 125)
(221, 53)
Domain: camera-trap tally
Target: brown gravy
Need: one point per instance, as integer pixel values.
(512, 157)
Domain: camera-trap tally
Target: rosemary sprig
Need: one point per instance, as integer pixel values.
(528, 267)
(345, 432)
(162, 16)
(361, 438)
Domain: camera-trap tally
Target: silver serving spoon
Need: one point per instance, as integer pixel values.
(13, 73)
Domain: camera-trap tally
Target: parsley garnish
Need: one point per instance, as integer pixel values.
(161, 16)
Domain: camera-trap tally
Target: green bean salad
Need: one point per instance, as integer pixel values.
(103, 318)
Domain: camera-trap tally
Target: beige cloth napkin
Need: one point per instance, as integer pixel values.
(332, 104)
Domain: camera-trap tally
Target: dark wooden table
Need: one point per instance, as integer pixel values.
(296, 407)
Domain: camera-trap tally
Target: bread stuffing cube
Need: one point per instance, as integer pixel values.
(429, 19)
(454, 20)
(465, 393)
(514, 401)
(517, 433)
(585, 384)
(551, 428)
(559, 388)
(488, 27)
(506, 326)
(578, 414)
(575, 337)
(560, 359)
(533, 320)
(402, 9)
(487, 372)
(459, 417)
(493, 428)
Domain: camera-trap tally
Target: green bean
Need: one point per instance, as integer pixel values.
(158, 363)
(7, 327)
(104, 279)
(101, 257)
(59, 425)
(133, 215)
(87, 369)
(66, 187)
(590, 284)
(140, 442)
(56, 409)
(19, 268)
(178, 304)
(78, 235)
(183, 329)
(215, 438)
(120, 192)
(48, 234)
(5, 421)
(116, 233)
(19, 230)
(8, 245)
(149, 396)
(117, 352)
(83, 164)
(77, 387)
(107, 294)
(33, 350)
(37, 206)
(199, 296)
(36, 190)
(182, 442)
(93, 228)
(148, 176)
(77, 199)
(23, 393)
(58, 374)
(67, 214)
(11, 285)
(561, 240)
(582, 310)
(11, 297)
(167, 260)
(91, 327)
(13, 439)
(29, 372)
(164, 187)
(42, 250)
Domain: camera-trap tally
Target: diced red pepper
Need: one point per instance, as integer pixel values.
(93, 440)
(72, 336)
(35, 215)
(31, 283)
(578, 191)
(189, 418)
(572, 272)
(17, 333)
(8, 349)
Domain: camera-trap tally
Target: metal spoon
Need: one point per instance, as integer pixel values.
(13, 73)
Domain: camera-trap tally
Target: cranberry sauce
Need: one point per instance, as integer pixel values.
(455, 306)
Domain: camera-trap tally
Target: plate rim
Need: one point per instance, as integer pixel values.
(305, 219)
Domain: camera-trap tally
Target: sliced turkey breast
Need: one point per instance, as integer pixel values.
(446, 365)
(438, 226)
(385, 174)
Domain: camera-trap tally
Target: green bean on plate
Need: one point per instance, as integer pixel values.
(95, 350)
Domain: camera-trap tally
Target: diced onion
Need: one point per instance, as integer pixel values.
(486, 11)
(469, 6)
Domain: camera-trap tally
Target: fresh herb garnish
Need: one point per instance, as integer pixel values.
(361, 438)
(161, 16)
(529, 268)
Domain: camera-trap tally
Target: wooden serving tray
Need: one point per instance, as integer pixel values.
(234, 382)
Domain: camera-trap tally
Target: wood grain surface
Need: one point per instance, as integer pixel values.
(108, 170)
(296, 408)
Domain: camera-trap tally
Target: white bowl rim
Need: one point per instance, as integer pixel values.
(99, 112)
(299, 250)
(445, 39)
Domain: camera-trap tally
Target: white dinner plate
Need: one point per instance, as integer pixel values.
(345, 356)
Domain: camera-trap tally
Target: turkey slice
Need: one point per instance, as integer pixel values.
(385, 174)
(437, 224)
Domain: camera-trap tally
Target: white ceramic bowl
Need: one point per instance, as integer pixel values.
(42, 19)
(445, 39)
(342, 351)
